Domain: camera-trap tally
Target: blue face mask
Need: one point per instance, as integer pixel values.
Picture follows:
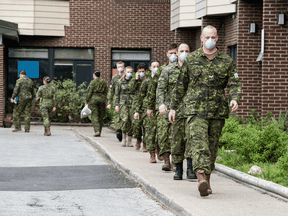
(129, 75)
(173, 58)
(154, 70)
(142, 75)
(183, 56)
(210, 44)
(120, 69)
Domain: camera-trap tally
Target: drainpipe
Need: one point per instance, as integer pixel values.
(262, 46)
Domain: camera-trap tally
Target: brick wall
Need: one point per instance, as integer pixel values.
(248, 49)
(275, 60)
(2, 96)
(105, 25)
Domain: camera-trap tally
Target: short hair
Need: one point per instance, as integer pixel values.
(172, 46)
(209, 27)
(129, 67)
(142, 65)
(154, 61)
(97, 73)
(184, 44)
(47, 79)
(120, 62)
(23, 72)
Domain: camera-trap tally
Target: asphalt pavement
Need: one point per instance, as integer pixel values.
(229, 197)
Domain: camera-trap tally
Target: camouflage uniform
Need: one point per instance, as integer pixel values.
(141, 105)
(110, 97)
(96, 98)
(24, 90)
(201, 84)
(151, 104)
(123, 99)
(172, 136)
(47, 93)
(136, 123)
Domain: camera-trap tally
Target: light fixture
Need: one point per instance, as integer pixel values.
(252, 28)
(280, 18)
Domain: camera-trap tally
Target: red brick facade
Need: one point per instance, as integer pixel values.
(2, 89)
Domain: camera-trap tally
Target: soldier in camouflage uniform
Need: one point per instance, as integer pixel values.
(96, 98)
(118, 124)
(166, 84)
(149, 122)
(203, 77)
(135, 85)
(123, 105)
(24, 90)
(47, 95)
(162, 123)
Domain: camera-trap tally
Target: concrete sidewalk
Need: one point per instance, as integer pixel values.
(182, 197)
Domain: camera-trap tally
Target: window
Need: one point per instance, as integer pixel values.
(66, 53)
(63, 69)
(28, 53)
(233, 52)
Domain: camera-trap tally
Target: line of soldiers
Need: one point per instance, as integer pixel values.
(181, 108)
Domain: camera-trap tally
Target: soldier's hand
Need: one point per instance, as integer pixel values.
(149, 112)
(54, 109)
(136, 116)
(86, 104)
(172, 115)
(163, 109)
(137, 75)
(11, 100)
(235, 105)
(117, 108)
(108, 106)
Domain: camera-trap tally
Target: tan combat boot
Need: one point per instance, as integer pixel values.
(138, 143)
(16, 129)
(157, 152)
(26, 131)
(129, 141)
(97, 134)
(123, 143)
(202, 183)
(209, 190)
(152, 157)
(166, 166)
(48, 131)
(144, 149)
(45, 132)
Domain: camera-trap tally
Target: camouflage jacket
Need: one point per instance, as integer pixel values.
(97, 91)
(24, 89)
(142, 101)
(111, 93)
(151, 94)
(165, 87)
(123, 93)
(201, 85)
(47, 94)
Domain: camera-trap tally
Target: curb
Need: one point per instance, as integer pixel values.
(251, 180)
(66, 124)
(169, 203)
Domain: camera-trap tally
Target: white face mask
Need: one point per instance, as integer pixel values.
(210, 44)
(120, 69)
(173, 58)
(154, 70)
(142, 74)
(183, 56)
(129, 75)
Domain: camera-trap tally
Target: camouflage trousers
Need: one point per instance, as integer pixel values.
(126, 115)
(150, 128)
(46, 114)
(24, 106)
(202, 142)
(117, 120)
(137, 125)
(163, 134)
(178, 140)
(98, 113)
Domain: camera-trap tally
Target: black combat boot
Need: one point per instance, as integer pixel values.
(190, 173)
(179, 171)
(119, 135)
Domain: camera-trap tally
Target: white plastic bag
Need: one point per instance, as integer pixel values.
(85, 112)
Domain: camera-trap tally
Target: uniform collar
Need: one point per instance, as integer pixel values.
(202, 54)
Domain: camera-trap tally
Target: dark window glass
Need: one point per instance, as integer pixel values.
(63, 69)
(233, 52)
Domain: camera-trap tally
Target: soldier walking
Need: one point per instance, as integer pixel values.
(96, 101)
(203, 77)
(111, 97)
(47, 94)
(24, 91)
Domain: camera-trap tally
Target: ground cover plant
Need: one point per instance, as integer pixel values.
(262, 142)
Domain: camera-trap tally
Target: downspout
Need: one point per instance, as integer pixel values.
(260, 56)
